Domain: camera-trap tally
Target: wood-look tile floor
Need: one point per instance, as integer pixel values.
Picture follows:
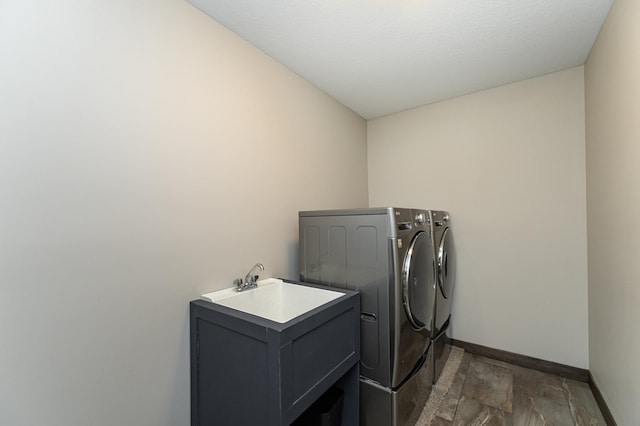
(489, 392)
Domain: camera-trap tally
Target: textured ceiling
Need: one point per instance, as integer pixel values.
(383, 56)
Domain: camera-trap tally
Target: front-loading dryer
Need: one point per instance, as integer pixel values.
(387, 255)
(444, 251)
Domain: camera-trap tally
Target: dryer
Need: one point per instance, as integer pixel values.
(387, 255)
(444, 251)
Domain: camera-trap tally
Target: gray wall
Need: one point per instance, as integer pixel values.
(509, 165)
(147, 155)
(612, 81)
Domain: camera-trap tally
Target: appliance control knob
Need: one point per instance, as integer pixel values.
(420, 219)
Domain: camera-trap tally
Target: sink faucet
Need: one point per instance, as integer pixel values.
(250, 280)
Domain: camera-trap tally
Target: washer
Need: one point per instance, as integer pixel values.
(387, 255)
(445, 254)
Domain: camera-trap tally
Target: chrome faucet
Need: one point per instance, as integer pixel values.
(250, 280)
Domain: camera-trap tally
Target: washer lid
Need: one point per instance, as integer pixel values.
(418, 282)
(446, 263)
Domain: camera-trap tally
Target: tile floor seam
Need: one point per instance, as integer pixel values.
(455, 413)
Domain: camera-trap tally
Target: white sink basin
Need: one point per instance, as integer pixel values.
(273, 299)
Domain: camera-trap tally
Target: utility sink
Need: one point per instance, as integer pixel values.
(274, 299)
(264, 355)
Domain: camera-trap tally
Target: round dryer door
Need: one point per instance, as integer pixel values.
(418, 281)
(446, 263)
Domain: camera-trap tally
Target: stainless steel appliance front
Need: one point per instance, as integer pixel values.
(446, 267)
(387, 255)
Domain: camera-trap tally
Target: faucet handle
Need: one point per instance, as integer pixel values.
(238, 283)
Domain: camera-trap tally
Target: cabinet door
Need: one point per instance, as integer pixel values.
(231, 377)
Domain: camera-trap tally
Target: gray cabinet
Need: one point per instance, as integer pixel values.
(247, 370)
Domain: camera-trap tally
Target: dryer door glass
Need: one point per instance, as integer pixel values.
(418, 282)
(446, 263)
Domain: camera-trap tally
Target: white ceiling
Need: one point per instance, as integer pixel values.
(383, 56)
